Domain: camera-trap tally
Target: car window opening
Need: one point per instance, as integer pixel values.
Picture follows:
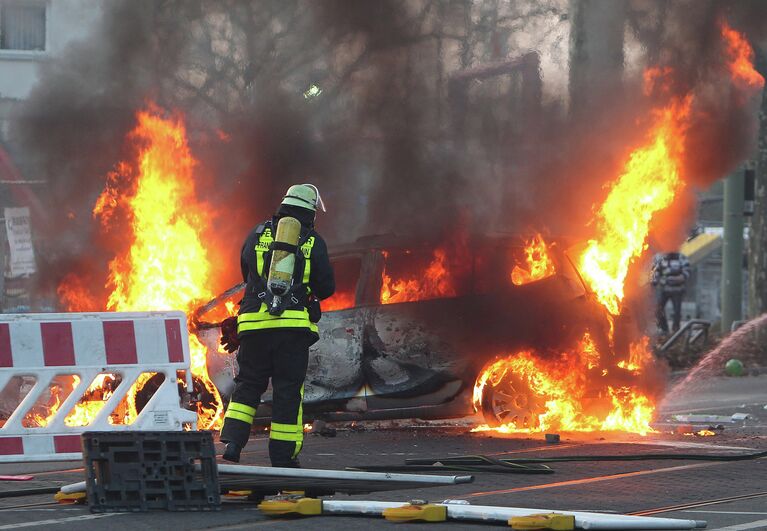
(410, 276)
(347, 272)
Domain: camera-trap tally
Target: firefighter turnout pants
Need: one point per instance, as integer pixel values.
(281, 355)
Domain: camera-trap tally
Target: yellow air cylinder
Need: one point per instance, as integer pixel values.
(283, 262)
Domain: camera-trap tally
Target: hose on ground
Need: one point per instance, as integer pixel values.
(478, 460)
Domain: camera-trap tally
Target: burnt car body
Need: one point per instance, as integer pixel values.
(419, 359)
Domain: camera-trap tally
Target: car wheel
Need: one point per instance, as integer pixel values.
(512, 401)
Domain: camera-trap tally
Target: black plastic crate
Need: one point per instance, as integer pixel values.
(144, 470)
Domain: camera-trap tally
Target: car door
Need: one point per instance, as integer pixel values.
(335, 361)
(408, 347)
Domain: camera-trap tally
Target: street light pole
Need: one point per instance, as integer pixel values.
(732, 250)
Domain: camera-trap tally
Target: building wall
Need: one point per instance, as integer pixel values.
(66, 21)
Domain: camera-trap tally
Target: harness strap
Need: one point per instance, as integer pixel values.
(282, 246)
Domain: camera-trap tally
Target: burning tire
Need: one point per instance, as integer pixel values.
(511, 401)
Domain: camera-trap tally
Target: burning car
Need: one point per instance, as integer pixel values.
(411, 328)
(534, 337)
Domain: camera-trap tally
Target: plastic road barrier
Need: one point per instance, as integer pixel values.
(50, 348)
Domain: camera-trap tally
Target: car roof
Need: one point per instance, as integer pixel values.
(394, 242)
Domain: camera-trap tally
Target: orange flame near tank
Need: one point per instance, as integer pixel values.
(540, 264)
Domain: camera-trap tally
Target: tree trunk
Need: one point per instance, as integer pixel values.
(596, 52)
(757, 256)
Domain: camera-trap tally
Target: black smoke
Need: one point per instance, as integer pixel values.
(391, 146)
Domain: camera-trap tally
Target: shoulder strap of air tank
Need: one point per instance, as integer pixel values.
(266, 257)
(306, 232)
(261, 228)
(304, 235)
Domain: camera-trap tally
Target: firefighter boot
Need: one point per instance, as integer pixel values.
(232, 452)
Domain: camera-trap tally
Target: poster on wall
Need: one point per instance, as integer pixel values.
(21, 261)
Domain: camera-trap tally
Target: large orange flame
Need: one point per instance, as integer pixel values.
(539, 262)
(562, 384)
(740, 57)
(166, 266)
(648, 184)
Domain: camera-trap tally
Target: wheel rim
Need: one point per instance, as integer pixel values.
(512, 401)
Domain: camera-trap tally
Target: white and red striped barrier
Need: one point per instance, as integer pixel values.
(44, 346)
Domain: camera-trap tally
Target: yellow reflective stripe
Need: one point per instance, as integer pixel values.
(290, 437)
(291, 432)
(262, 246)
(287, 428)
(307, 271)
(277, 323)
(300, 423)
(306, 248)
(300, 420)
(265, 316)
(259, 263)
(242, 408)
(287, 432)
(231, 414)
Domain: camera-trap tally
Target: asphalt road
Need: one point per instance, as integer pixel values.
(729, 495)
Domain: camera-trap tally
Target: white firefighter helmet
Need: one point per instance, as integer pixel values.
(305, 196)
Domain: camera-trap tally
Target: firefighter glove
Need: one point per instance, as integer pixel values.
(229, 334)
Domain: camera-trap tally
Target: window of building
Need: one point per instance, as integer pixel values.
(22, 25)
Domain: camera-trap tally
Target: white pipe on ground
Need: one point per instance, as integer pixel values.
(481, 513)
(309, 473)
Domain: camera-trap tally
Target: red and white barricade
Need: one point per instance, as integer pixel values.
(41, 350)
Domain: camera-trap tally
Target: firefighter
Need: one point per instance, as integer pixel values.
(670, 272)
(276, 346)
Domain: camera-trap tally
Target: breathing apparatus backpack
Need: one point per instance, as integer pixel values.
(281, 286)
